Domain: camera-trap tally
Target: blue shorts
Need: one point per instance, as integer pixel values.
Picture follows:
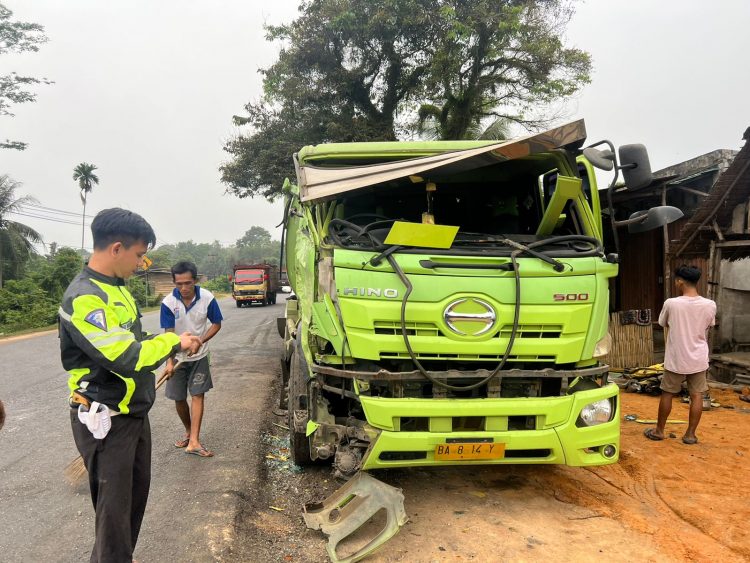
(192, 376)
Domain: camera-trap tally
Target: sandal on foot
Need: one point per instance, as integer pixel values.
(200, 452)
(689, 441)
(182, 443)
(649, 433)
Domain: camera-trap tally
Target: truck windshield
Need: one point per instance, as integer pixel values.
(490, 207)
(248, 277)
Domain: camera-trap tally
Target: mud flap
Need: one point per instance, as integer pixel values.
(349, 509)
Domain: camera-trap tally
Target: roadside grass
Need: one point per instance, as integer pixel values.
(22, 332)
(25, 331)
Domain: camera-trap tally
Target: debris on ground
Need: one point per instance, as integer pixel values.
(348, 517)
(278, 453)
(639, 420)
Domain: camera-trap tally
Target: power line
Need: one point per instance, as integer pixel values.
(56, 220)
(51, 209)
(54, 214)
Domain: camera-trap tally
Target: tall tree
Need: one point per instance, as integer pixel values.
(84, 175)
(500, 60)
(362, 70)
(17, 37)
(16, 239)
(345, 72)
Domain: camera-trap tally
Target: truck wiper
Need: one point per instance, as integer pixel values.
(508, 267)
(527, 249)
(556, 264)
(347, 234)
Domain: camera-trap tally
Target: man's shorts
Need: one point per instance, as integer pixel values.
(189, 376)
(671, 382)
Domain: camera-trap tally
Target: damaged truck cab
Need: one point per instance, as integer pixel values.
(451, 305)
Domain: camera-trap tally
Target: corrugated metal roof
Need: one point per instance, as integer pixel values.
(731, 189)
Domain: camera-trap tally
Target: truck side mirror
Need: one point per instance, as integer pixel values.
(653, 218)
(603, 160)
(635, 166)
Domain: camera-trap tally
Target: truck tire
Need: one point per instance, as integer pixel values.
(238, 303)
(299, 443)
(284, 390)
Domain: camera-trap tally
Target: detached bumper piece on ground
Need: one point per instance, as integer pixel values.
(349, 512)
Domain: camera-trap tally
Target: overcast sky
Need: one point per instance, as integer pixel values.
(146, 91)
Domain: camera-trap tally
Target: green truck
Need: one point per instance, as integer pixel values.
(451, 302)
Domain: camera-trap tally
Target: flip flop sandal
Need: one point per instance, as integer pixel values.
(183, 443)
(649, 433)
(200, 452)
(690, 441)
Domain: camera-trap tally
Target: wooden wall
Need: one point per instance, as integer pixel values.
(632, 345)
(640, 282)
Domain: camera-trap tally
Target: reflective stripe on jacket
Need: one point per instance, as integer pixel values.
(103, 348)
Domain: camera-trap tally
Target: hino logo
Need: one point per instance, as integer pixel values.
(470, 310)
(371, 292)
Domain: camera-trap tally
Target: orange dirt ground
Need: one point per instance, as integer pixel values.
(664, 501)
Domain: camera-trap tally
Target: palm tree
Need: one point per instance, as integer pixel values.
(84, 175)
(16, 239)
(446, 123)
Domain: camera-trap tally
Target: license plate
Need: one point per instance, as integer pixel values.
(452, 452)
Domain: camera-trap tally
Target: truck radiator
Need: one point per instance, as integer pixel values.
(393, 328)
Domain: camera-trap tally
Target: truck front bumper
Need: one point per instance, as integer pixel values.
(555, 437)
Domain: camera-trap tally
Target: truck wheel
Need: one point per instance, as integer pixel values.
(284, 391)
(299, 444)
(238, 303)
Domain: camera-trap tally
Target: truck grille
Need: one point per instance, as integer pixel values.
(467, 424)
(466, 357)
(431, 329)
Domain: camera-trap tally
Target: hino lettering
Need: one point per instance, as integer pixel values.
(371, 292)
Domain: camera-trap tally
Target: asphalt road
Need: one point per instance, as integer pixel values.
(194, 504)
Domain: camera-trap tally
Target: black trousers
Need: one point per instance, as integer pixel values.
(119, 468)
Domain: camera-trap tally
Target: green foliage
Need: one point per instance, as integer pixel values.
(499, 60)
(84, 175)
(33, 300)
(55, 272)
(17, 37)
(369, 70)
(220, 284)
(16, 239)
(23, 304)
(214, 260)
(138, 290)
(346, 69)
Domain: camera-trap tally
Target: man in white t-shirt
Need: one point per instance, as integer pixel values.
(686, 321)
(190, 308)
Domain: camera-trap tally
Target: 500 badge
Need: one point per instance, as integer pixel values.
(571, 297)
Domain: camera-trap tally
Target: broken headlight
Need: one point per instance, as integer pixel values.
(596, 413)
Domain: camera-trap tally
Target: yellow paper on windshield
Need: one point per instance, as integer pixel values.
(420, 234)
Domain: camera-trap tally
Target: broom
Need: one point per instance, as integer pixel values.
(76, 469)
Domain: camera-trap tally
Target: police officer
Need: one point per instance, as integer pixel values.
(110, 360)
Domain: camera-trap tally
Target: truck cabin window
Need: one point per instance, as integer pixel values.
(502, 201)
(248, 277)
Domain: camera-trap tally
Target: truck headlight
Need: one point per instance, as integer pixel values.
(596, 413)
(603, 347)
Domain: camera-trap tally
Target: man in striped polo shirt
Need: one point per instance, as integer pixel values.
(194, 309)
